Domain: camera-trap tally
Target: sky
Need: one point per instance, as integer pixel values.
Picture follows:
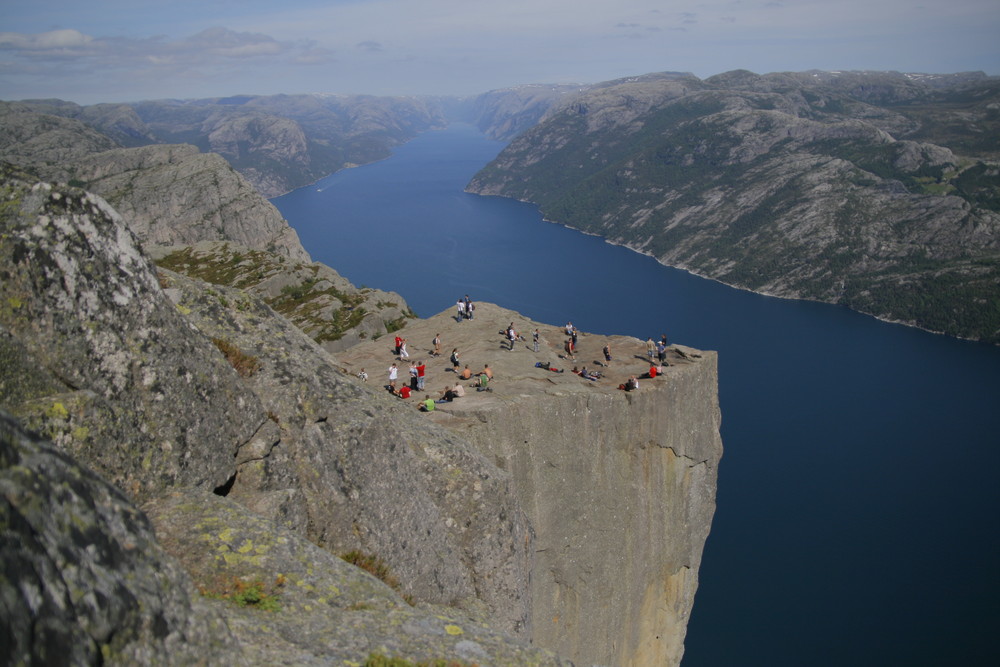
(131, 50)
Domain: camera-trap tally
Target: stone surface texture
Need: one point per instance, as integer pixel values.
(619, 486)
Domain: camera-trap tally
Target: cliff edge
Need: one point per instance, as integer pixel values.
(619, 486)
(552, 507)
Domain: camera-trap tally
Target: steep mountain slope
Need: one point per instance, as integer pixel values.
(174, 197)
(314, 297)
(278, 143)
(503, 114)
(803, 185)
(165, 384)
(171, 194)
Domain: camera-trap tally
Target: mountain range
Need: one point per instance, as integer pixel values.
(877, 191)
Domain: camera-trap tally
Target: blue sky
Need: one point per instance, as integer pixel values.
(128, 50)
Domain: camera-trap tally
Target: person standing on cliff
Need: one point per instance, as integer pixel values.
(421, 370)
(454, 359)
(393, 374)
(607, 354)
(469, 308)
(534, 340)
(460, 306)
(437, 345)
(650, 349)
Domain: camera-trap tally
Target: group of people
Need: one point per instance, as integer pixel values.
(466, 309)
(418, 372)
(511, 335)
(655, 350)
(400, 348)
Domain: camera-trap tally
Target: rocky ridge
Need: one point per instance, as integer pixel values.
(503, 114)
(314, 297)
(173, 197)
(171, 194)
(276, 142)
(878, 191)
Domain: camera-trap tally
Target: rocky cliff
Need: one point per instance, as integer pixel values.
(314, 297)
(86, 581)
(170, 194)
(260, 457)
(879, 191)
(619, 486)
(505, 113)
(166, 384)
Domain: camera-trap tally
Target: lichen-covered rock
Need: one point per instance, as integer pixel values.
(84, 581)
(309, 607)
(115, 374)
(175, 195)
(354, 468)
(314, 297)
(110, 369)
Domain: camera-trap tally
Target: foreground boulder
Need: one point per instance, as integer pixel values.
(99, 360)
(84, 580)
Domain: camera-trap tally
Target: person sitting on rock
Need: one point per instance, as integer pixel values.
(483, 383)
(426, 405)
(451, 393)
(466, 373)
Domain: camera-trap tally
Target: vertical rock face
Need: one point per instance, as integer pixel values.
(619, 487)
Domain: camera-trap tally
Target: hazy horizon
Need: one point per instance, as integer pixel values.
(126, 51)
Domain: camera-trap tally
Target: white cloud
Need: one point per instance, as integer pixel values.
(53, 41)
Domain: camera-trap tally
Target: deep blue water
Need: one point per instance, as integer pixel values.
(858, 502)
